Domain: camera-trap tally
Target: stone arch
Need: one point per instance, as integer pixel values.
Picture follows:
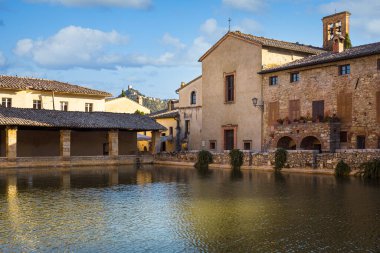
(311, 143)
(286, 142)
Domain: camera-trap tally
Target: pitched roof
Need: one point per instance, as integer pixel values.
(187, 84)
(76, 120)
(164, 114)
(327, 57)
(27, 83)
(268, 43)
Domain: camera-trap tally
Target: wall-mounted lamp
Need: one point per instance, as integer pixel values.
(257, 103)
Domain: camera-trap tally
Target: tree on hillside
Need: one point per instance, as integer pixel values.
(123, 94)
(347, 42)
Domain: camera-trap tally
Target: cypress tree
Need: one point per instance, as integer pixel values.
(347, 42)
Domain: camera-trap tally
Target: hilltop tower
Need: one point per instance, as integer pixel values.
(335, 25)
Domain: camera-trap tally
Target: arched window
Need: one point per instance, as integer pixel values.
(193, 98)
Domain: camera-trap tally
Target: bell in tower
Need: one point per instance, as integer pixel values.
(335, 25)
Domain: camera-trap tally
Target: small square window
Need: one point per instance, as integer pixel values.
(212, 145)
(88, 107)
(64, 106)
(344, 69)
(37, 104)
(273, 80)
(247, 145)
(343, 137)
(294, 77)
(6, 102)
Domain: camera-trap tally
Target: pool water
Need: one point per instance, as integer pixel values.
(166, 209)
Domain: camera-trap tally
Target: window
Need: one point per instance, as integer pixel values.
(344, 69)
(88, 107)
(247, 145)
(294, 77)
(230, 88)
(378, 64)
(318, 108)
(187, 128)
(6, 102)
(273, 112)
(171, 131)
(64, 106)
(193, 98)
(378, 106)
(343, 136)
(229, 139)
(273, 80)
(212, 145)
(294, 109)
(360, 142)
(37, 104)
(378, 142)
(345, 107)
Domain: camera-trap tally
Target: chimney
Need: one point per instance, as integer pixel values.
(335, 25)
(139, 100)
(170, 105)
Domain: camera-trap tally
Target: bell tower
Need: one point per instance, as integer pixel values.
(335, 25)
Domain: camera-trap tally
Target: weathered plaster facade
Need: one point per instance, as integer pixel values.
(124, 105)
(191, 112)
(244, 59)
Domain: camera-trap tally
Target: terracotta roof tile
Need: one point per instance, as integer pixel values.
(327, 57)
(164, 114)
(24, 83)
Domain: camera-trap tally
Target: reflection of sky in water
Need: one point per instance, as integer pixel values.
(173, 210)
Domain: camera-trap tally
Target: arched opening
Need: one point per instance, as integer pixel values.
(193, 98)
(311, 143)
(287, 143)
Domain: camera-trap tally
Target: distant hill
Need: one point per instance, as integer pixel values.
(153, 104)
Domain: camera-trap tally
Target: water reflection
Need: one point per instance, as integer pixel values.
(159, 209)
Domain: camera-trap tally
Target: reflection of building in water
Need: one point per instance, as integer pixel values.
(113, 177)
(65, 179)
(144, 177)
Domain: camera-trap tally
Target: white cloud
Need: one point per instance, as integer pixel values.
(365, 14)
(72, 46)
(245, 5)
(248, 26)
(137, 4)
(2, 59)
(168, 39)
(210, 26)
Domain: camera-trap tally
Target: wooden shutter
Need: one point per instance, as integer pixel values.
(378, 106)
(273, 112)
(345, 107)
(318, 109)
(294, 109)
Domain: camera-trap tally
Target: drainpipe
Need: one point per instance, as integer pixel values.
(53, 100)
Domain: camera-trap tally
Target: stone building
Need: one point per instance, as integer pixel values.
(230, 80)
(328, 101)
(23, 92)
(190, 114)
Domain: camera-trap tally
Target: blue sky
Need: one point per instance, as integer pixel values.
(152, 44)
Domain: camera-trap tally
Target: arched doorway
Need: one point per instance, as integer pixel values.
(287, 143)
(311, 143)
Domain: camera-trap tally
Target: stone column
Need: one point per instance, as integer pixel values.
(65, 143)
(155, 142)
(113, 142)
(11, 142)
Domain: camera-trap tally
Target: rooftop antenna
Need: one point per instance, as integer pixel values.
(229, 24)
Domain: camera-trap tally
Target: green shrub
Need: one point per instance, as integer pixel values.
(204, 158)
(370, 170)
(342, 169)
(280, 158)
(236, 159)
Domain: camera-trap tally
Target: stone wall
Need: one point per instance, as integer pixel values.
(295, 159)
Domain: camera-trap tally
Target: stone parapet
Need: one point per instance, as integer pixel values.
(296, 159)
